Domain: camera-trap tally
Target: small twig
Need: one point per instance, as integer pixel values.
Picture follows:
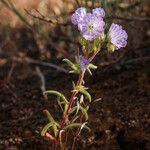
(42, 18)
(146, 19)
(39, 13)
(41, 76)
(11, 91)
(9, 5)
(10, 72)
(78, 3)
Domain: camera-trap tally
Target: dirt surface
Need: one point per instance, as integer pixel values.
(119, 114)
(119, 119)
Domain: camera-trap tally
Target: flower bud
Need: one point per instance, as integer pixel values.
(110, 47)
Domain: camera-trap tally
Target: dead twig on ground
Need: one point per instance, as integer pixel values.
(10, 72)
(23, 58)
(42, 63)
(9, 88)
(42, 78)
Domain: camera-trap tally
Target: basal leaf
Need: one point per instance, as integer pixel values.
(49, 116)
(49, 125)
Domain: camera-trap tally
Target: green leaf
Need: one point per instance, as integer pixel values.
(49, 116)
(51, 120)
(75, 125)
(83, 41)
(73, 109)
(74, 85)
(84, 111)
(111, 48)
(86, 93)
(74, 72)
(68, 62)
(89, 67)
(74, 67)
(44, 130)
(57, 94)
(89, 71)
(65, 108)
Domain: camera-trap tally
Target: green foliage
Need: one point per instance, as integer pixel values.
(111, 48)
(44, 130)
(63, 98)
(75, 67)
(83, 110)
(76, 125)
(84, 91)
(89, 67)
(52, 123)
(92, 46)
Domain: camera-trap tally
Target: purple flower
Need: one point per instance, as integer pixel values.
(91, 26)
(78, 15)
(99, 12)
(84, 63)
(117, 36)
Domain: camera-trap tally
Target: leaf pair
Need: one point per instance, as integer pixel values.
(83, 110)
(89, 67)
(82, 89)
(75, 67)
(63, 98)
(52, 124)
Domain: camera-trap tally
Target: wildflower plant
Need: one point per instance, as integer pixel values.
(93, 37)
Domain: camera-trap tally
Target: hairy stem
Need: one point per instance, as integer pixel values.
(66, 114)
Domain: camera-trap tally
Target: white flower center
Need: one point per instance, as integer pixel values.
(92, 26)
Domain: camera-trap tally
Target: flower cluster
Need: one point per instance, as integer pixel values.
(92, 26)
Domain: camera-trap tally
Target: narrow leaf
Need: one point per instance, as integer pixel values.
(68, 62)
(57, 94)
(84, 111)
(91, 66)
(75, 125)
(74, 67)
(49, 116)
(43, 132)
(83, 91)
(51, 120)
